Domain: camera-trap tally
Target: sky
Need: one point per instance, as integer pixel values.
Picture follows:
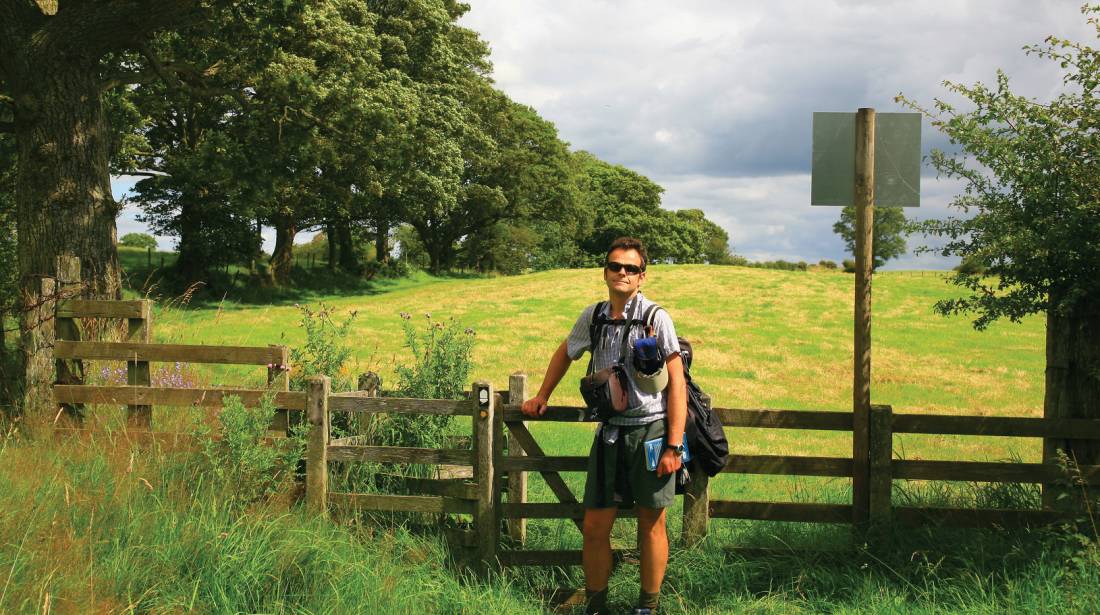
(713, 100)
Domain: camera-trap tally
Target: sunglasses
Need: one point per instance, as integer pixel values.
(615, 267)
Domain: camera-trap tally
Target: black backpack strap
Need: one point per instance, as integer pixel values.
(595, 329)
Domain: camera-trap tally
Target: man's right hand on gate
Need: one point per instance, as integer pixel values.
(536, 406)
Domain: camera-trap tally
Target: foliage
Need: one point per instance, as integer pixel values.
(888, 236)
(971, 266)
(1032, 199)
(849, 265)
(782, 265)
(440, 369)
(826, 264)
(138, 240)
(9, 271)
(325, 351)
(235, 458)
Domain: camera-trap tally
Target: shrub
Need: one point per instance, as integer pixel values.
(826, 264)
(849, 265)
(325, 350)
(440, 370)
(971, 265)
(138, 240)
(233, 459)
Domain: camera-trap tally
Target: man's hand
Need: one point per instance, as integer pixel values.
(669, 463)
(536, 406)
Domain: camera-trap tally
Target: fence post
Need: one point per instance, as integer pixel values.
(861, 365)
(486, 525)
(278, 379)
(139, 330)
(317, 395)
(68, 371)
(880, 451)
(517, 480)
(697, 504)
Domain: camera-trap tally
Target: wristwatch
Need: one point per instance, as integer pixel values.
(676, 448)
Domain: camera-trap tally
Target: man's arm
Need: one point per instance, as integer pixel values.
(677, 414)
(555, 371)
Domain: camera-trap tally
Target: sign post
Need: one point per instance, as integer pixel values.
(863, 159)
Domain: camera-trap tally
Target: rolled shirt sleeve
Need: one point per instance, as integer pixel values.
(578, 340)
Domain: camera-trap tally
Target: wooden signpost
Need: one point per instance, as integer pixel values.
(846, 150)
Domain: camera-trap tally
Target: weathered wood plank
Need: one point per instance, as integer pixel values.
(544, 464)
(399, 454)
(781, 511)
(553, 510)
(786, 419)
(84, 308)
(1016, 426)
(963, 517)
(128, 351)
(993, 472)
(152, 396)
(403, 503)
(789, 465)
(358, 402)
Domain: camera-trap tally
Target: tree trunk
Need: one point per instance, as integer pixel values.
(382, 242)
(282, 257)
(349, 261)
(1072, 386)
(192, 264)
(330, 239)
(63, 202)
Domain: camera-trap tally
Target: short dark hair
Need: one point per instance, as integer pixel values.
(629, 243)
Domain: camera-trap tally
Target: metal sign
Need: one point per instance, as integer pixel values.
(897, 159)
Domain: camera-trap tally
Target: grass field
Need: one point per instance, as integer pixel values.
(763, 339)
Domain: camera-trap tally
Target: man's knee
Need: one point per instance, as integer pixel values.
(651, 520)
(597, 523)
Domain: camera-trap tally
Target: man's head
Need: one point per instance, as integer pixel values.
(625, 265)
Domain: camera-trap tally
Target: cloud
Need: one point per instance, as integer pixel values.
(714, 99)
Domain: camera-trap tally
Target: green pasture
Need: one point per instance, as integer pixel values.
(97, 524)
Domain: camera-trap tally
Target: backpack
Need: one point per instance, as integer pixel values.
(703, 431)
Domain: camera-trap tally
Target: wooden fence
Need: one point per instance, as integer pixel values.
(497, 494)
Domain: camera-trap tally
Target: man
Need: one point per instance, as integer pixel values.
(625, 477)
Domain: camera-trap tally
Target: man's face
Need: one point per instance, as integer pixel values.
(623, 281)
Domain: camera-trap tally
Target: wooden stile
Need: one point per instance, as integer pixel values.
(359, 401)
(997, 426)
(317, 496)
(101, 308)
(781, 511)
(400, 454)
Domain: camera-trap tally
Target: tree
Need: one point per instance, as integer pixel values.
(138, 240)
(1032, 217)
(57, 60)
(888, 235)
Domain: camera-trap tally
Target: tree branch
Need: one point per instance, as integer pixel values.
(7, 128)
(95, 28)
(7, 100)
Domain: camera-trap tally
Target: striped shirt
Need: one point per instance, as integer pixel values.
(644, 407)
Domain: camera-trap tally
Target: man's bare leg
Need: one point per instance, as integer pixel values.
(653, 544)
(596, 555)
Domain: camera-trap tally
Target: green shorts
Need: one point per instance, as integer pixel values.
(626, 479)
